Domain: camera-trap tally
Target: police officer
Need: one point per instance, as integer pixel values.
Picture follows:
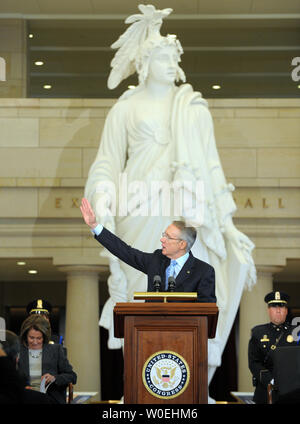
(43, 308)
(265, 339)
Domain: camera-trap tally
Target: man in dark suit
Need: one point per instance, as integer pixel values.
(173, 260)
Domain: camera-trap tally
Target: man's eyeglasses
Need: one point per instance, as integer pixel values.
(165, 235)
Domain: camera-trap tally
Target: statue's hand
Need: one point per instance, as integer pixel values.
(238, 238)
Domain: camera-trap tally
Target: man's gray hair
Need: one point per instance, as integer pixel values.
(188, 234)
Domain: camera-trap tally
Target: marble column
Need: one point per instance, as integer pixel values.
(253, 311)
(82, 337)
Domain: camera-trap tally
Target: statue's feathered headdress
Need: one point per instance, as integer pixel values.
(142, 27)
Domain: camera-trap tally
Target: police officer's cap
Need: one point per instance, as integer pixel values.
(277, 298)
(39, 306)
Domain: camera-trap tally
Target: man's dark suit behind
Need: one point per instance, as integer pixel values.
(195, 275)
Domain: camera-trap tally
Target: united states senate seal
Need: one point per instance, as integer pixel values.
(166, 374)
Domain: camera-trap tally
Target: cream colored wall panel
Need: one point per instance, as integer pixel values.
(281, 242)
(30, 6)
(65, 7)
(8, 112)
(40, 163)
(70, 132)
(83, 256)
(19, 103)
(267, 202)
(8, 182)
(99, 103)
(72, 182)
(256, 182)
(89, 155)
(11, 88)
(43, 252)
(17, 65)
(95, 112)
(238, 162)
(281, 162)
(61, 103)
(18, 202)
(257, 132)
(60, 203)
(289, 112)
(275, 256)
(271, 6)
(12, 48)
(256, 113)
(219, 6)
(88, 241)
(19, 132)
(130, 6)
(36, 112)
(236, 103)
(43, 241)
(278, 103)
(222, 113)
(38, 182)
(289, 182)
(10, 36)
(49, 112)
(31, 182)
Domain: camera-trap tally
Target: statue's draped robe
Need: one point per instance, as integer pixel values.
(183, 150)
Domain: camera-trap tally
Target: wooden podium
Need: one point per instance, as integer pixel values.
(165, 350)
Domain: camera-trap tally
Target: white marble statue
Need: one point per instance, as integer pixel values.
(160, 131)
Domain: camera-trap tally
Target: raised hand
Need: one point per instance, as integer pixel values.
(88, 213)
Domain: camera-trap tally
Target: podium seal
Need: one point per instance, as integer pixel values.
(166, 374)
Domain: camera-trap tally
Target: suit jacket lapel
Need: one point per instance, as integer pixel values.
(45, 357)
(185, 271)
(163, 266)
(24, 359)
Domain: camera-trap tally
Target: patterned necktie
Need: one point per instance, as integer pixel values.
(170, 271)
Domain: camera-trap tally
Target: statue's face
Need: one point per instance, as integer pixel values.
(163, 66)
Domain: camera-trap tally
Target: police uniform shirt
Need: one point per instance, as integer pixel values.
(264, 340)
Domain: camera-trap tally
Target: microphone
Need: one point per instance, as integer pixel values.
(171, 284)
(157, 283)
